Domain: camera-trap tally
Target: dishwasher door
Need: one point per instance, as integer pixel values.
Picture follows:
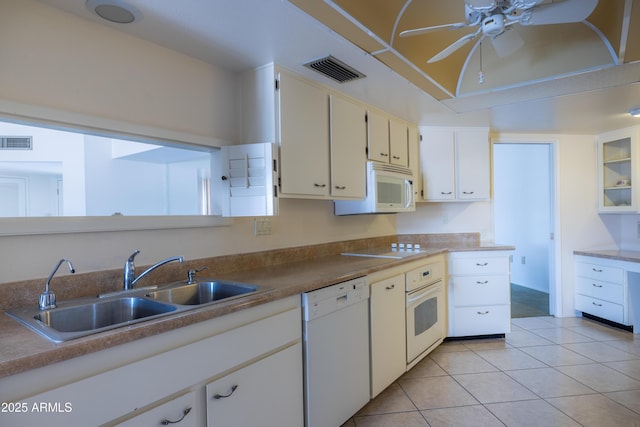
(336, 352)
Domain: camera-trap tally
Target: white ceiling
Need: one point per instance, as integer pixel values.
(241, 34)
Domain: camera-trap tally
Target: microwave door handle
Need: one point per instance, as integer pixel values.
(408, 193)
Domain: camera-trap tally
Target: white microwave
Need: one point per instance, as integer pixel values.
(389, 190)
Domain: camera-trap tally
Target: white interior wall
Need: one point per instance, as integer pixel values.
(61, 67)
(522, 205)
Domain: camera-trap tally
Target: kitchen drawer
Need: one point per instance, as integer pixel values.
(611, 292)
(481, 320)
(597, 307)
(478, 265)
(600, 272)
(480, 290)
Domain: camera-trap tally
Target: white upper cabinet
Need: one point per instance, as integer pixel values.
(398, 143)
(348, 149)
(618, 172)
(455, 164)
(387, 139)
(303, 116)
(378, 137)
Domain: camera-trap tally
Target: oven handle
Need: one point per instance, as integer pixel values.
(411, 298)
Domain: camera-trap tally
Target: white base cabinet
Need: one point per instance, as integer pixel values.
(601, 289)
(260, 394)
(388, 332)
(258, 349)
(479, 293)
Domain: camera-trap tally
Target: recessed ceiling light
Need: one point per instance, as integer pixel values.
(116, 11)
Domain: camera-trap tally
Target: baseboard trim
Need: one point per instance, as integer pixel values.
(607, 322)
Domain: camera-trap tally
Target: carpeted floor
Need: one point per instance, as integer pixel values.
(527, 302)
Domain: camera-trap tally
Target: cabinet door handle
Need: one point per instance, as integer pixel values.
(597, 286)
(224, 396)
(341, 187)
(597, 305)
(482, 283)
(184, 414)
(597, 270)
(446, 192)
(390, 287)
(396, 157)
(482, 313)
(467, 192)
(319, 185)
(484, 264)
(384, 154)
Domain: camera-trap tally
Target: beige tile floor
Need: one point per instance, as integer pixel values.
(547, 372)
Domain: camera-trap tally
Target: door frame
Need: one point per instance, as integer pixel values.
(555, 291)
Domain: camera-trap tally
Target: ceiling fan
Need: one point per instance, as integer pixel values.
(493, 19)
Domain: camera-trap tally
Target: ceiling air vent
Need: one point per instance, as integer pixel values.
(334, 69)
(16, 143)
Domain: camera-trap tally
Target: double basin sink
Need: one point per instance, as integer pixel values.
(87, 316)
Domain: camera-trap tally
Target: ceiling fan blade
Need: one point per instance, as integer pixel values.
(560, 12)
(454, 46)
(424, 30)
(507, 42)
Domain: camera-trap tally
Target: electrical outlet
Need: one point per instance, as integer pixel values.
(262, 226)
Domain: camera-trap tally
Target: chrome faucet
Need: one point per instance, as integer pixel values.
(130, 278)
(47, 299)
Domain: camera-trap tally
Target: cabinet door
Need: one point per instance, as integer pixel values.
(304, 138)
(618, 171)
(180, 411)
(473, 164)
(398, 143)
(414, 160)
(348, 149)
(378, 137)
(265, 393)
(437, 156)
(388, 332)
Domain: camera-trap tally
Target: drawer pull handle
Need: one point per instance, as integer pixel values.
(224, 396)
(482, 264)
(467, 192)
(445, 192)
(482, 313)
(482, 283)
(320, 185)
(166, 422)
(390, 287)
(597, 305)
(597, 286)
(597, 270)
(341, 187)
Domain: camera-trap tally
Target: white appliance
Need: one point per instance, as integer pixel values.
(389, 190)
(336, 352)
(425, 311)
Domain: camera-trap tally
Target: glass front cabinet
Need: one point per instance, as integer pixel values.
(618, 171)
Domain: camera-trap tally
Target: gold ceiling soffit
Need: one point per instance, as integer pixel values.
(341, 22)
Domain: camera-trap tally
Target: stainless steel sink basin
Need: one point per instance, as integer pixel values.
(89, 317)
(202, 292)
(81, 319)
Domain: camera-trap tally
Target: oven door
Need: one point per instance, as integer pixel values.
(425, 319)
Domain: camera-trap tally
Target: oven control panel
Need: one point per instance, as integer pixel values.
(425, 275)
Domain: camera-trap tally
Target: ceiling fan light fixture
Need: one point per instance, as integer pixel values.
(117, 11)
(635, 112)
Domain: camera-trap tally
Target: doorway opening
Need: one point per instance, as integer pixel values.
(523, 177)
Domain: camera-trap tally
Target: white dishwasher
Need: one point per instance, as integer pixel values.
(336, 352)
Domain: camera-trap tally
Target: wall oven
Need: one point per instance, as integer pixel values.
(426, 310)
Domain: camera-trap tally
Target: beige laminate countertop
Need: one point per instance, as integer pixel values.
(631, 256)
(22, 349)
